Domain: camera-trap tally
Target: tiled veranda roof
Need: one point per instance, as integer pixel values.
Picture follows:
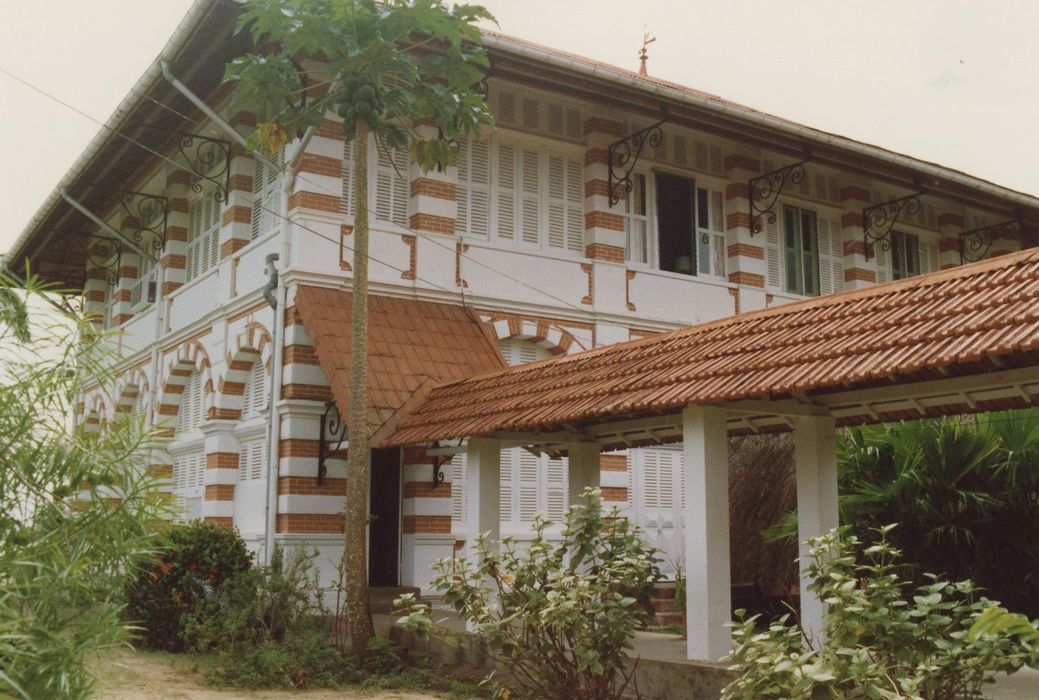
(965, 319)
(411, 345)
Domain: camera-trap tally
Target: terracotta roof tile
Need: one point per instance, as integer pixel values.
(410, 343)
(909, 330)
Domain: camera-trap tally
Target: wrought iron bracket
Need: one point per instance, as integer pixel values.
(148, 215)
(333, 429)
(623, 155)
(764, 191)
(979, 241)
(102, 252)
(879, 220)
(207, 159)
(438, 465)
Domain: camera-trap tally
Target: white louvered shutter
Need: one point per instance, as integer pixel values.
(253, 458)
(506, 186)
(203, 249)
(458, 492)
(530, 196)
(883, 261)
(557, 488)
(506, 491)
(346, 201)
(531, 114)
(929, 261)
(529, 484)
(773, 253)
(831, 256)
(391, 186)
(473, 190)
(266, 196)
(506, 108)
(254, 399)
(192, 405)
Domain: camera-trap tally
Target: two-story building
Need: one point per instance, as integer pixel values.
(603, 206)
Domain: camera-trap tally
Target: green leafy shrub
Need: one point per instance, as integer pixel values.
(194, 562)
(882, 637)
(266, 628)
(558, 616)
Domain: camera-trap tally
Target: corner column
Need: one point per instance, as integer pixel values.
(483, 477)
(221, 475)
(745, 252)
(708, 595)
(426, 509)
(855, 196)
(815, 454)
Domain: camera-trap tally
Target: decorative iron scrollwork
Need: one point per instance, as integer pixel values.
(102, 253)
(623, 156)
(879, 220)
(979, 241)
(438, 465)
(147, 216)
(764, 191)
(333, 429)
(207, 159)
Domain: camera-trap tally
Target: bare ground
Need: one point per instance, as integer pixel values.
(129, 675)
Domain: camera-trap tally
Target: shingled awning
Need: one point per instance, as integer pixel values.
(974, 324)
(411, 346)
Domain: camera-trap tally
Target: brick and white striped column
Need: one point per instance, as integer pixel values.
(855, 195)
(174, 255)
(320, 184)
(745, 254)
(432, 207)
(236, 215)
(304, 506)
(426, 518)
(604, 237)
(129, 264)
(95, 289)
(221, 475)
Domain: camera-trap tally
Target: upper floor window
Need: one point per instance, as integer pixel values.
(388, 183)
(526, 194)
(143, 291)
(267, 214)
(804, 253)
(907, 255)
(203, 251)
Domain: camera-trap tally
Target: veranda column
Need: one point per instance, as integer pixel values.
(708, 596)
(584, 469)
(483, 484)
(815, 451)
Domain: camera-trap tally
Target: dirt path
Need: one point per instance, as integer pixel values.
(143, 676)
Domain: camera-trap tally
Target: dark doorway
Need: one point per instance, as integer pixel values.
(384, 509)
(676, 225)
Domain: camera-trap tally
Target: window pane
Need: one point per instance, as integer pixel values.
(898, 255)
(912, 255)
(810, 243)
(792, 250)
(717, 212)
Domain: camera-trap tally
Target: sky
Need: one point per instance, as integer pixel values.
(950, 81)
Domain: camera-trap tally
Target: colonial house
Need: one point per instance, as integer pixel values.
(603, 206)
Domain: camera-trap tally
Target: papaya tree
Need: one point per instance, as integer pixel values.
(402, 74)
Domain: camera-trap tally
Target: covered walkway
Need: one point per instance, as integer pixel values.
(961, 340)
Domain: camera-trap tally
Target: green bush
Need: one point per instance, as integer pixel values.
(266, 628)
(559, 617)
(882, 637)
(194, 562)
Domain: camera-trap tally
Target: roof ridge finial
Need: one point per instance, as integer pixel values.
(647, 39)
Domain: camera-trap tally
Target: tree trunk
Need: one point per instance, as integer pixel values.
(355, 551)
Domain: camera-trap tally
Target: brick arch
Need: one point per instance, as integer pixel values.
(540, 332)
(187, 359)
(130, 386)
(95, 411)
(252, 344)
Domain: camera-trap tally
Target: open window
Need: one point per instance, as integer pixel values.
(690, 226)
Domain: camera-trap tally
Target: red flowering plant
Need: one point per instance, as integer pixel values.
(194, 562)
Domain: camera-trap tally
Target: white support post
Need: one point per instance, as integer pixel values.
(483, 487)
(708, 594)
(815, 450)
(583, 469)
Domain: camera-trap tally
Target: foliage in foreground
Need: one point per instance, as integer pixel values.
(77, 508)
(558, 616)
(193, 562)
(957, 486)
(882, 638)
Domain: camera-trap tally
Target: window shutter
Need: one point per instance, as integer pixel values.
(346, 202)
(530, 113)
(574, 206)
(391, 185)
(557, 490)
(505, 489)
(773, 253)
(254, 399)
(556, 204)
(883, 260)
(252, 459)
(472, 192)
(266, 196)
(831, 256)
(928, 257)
(259, 175)
(192, 403)
(529, 468)
(506, 170)
(458, 501)
(506, 108)
(650, 479)
(530, 180)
